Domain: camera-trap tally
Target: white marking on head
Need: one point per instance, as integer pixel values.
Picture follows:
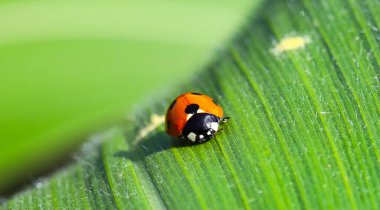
(215, 126)
(188, 116)
(208, 133)
(201, 136)
(192, 136)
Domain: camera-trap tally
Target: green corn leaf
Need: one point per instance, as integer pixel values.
(301, 85)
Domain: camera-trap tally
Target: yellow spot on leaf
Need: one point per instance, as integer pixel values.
(155, 121)
(290, 43)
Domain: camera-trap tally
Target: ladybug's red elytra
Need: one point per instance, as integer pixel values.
(194, 116)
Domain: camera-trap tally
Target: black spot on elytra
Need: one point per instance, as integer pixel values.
(215, 102)
(192, 109)
(196, 93)
(172, 104)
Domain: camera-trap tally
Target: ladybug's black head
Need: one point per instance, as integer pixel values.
(201, 127)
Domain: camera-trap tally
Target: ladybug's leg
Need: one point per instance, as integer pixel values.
(224, 119)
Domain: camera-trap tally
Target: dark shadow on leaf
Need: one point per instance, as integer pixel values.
(152, 144)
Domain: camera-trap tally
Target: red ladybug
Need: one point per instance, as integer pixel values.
(194, 116)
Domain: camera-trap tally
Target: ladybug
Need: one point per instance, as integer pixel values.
(194, 116)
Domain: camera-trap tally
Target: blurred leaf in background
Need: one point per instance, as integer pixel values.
(67, 67)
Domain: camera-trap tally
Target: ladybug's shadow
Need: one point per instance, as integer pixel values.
(152, 144)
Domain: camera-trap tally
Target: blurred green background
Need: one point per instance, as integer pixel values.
(70, 67)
